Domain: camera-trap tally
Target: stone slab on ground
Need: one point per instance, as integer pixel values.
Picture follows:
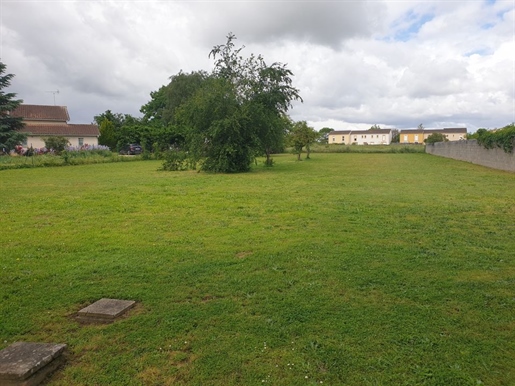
(28, 364)
(104, 310)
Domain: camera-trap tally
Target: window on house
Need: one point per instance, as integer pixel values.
(334, 139)
(81, 141)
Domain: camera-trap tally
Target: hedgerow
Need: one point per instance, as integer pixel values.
(503, 138)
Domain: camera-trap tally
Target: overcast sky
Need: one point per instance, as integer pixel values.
(356, 63)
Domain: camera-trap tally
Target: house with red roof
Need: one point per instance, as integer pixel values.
(47, 121)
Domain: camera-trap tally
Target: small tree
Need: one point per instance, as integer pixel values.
(10, 137)
(436, 137)
(374, 127)
(57, 144)
(301, 135)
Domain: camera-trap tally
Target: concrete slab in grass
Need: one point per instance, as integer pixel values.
(104, 310)
(28, 364)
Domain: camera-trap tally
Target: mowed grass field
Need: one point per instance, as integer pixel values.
(347, 269)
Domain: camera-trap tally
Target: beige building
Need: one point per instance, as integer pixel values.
(46, 121)
(361, 137)
(418, 136)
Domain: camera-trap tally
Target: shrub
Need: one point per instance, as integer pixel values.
(503, 138)
(175, 160)
(56, 144)
(436, 137)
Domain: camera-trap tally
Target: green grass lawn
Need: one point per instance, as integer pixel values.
(348, 269)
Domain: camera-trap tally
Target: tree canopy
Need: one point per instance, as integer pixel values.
(10, 136)
(237, 112)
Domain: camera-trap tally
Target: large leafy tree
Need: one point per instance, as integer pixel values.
(238, 112)
(267, 91)
(10, 137)
(218, 137)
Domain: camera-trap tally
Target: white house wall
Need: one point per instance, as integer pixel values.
(38, 142)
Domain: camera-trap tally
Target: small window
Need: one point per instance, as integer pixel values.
(81, 141)
(334, 139)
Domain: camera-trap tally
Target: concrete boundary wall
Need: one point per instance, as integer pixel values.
(471, 151)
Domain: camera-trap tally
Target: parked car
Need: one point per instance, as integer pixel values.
(131, 149)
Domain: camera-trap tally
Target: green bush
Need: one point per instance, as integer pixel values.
(175, 160)
(57, 144)
(503, 138)
(436, 137)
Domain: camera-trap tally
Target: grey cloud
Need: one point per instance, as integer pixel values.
(326, 23)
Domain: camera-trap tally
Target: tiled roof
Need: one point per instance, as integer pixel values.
(456, 130)
(339, 132)
(41, 113)
(376, 131)
(70, 130)
(461, 130)
(373, 131)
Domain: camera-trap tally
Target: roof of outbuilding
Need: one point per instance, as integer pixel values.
(41, 113)
(69, 130)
